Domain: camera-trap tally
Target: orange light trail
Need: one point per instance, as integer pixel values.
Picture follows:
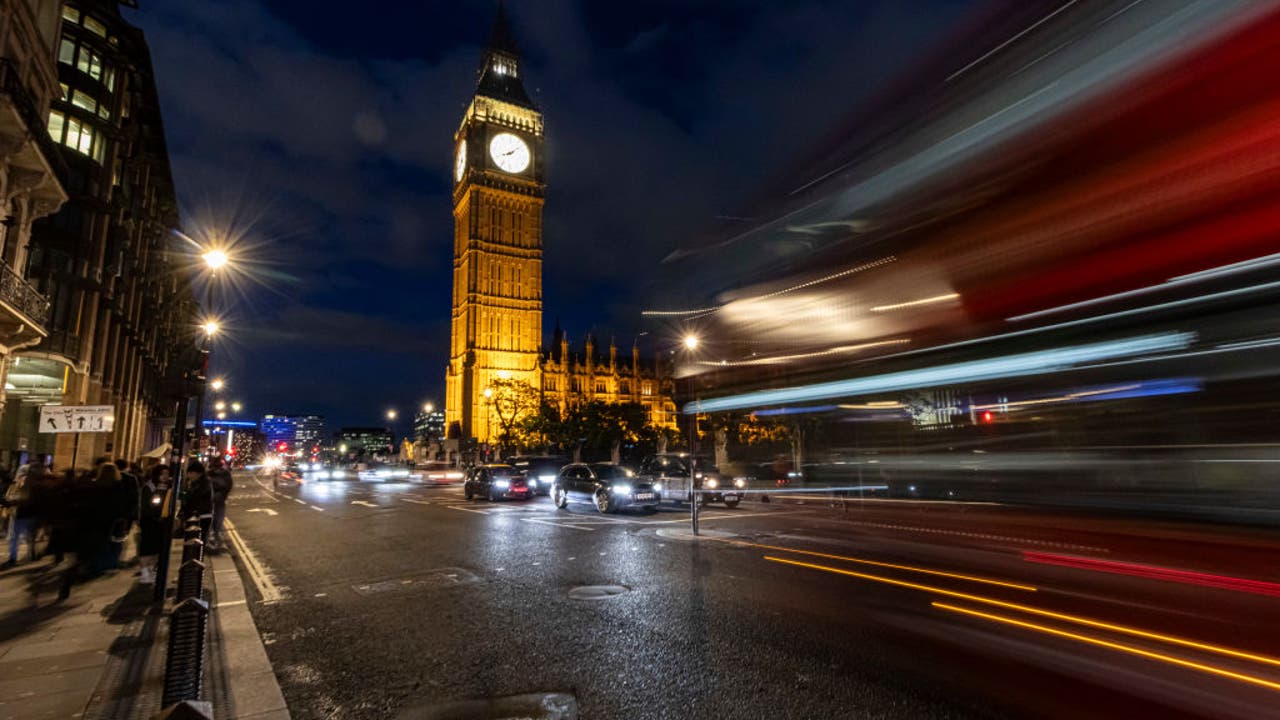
(1211, 669)
(1122, 629)
(877, 563)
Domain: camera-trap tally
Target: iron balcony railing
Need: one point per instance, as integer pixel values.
(21, 296)
(62, 342)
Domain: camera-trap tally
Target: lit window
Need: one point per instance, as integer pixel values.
(84, 101)
(99, 150)
(104, 112)
(66, 91)
(109, 78)
(67, 52)
(56, 122)
(90, 63)
(71, 14)
(646, 388)
(95, 26)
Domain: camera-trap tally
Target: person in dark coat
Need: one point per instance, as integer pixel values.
(221, 482)
(27, 503)
(150, 522)
(197, 500)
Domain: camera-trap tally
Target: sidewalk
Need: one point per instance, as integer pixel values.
(53, 654)
(100, 654)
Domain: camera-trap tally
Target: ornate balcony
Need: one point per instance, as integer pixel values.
(22, 299)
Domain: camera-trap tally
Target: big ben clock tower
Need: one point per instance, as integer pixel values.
(498, 194)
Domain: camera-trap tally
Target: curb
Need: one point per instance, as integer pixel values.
(252, 690)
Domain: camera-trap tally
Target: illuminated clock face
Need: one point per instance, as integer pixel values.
(509, 152)
(460, 164)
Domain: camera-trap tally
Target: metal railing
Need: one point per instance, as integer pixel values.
(61, 342)
(22, 296)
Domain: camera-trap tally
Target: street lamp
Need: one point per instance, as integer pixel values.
(691, 342)
(210, 328)
(217, 383)
(215, 259)
(235, 407)
(222, 416)
(392, 414)
(219, 406)
(428, 408)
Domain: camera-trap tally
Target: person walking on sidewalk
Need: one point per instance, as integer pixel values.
(221, 482)
(197, 501)
(25, 500)
(150, 522)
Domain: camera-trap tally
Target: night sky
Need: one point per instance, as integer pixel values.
(322, 134)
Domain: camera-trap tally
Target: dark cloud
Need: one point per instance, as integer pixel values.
(332, 128)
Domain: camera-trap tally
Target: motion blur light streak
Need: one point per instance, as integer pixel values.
(1032, 363)
(1223, 672)
(908, 568)
(914, 303)
(1122, 629)
(777, 359)
(1256, 587)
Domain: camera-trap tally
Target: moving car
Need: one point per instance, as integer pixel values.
(441, 473)
(607, 486)
(539, 470)
(289, 474)
(676, 474)
(495, 482)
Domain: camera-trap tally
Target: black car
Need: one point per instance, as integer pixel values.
(607, 486)
(539, 470)
(495, 482)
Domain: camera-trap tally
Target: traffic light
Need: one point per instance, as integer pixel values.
(987, 417)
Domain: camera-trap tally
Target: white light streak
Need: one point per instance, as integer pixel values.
(1020, 365)
(779, 359)
(914, 303)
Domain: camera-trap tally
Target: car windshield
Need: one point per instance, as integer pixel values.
(612, 472)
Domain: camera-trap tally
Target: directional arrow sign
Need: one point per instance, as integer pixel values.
(77, 418)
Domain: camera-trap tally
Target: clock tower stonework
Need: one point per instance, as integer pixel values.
(498, 193)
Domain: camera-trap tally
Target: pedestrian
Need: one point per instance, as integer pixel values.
(221, 482)
(113, 505)
(25, 502)
(197, 501)
(151, 522)
(130, 493)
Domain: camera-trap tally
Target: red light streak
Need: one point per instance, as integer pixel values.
(1153, 572)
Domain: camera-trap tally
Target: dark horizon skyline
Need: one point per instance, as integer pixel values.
(326, 139)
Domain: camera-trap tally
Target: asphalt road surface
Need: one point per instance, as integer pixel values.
(396, 600)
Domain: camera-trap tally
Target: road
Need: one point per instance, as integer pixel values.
(388, 600)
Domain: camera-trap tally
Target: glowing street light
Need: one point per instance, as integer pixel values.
(392, 414)
(215, 259)
(235, 407)
(691, 342)
(222, 416)
(217, 383)
(428, 408)
(210, 328)
(219, 406)
(488, 392)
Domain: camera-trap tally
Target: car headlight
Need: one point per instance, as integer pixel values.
(657, 487)
(502, 484)
(533, 482)
(622, 489)
(713, 483)
(547, 479)
(739, 482)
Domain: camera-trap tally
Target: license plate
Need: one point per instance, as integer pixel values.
(644, 496)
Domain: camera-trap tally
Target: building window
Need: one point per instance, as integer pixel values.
(56, 122)
(71, 14)
(67, 52)
(601, 387)
(84, 101)
(646, 388)
(95, 26)
(109, 79)
(626, 388)
(90, 63)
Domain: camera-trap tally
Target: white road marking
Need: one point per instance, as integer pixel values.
(556, 524)
(364, 503)
(415, 502)
(317, 508)
(229, 603)
(258, 572)
(268, 511)
(300, 501)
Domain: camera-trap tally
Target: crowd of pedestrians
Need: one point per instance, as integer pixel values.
(84, 518)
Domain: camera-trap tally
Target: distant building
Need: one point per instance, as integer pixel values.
(280, 431)
(309, 431)
(428, 426)
(365, 442)
(571, 378)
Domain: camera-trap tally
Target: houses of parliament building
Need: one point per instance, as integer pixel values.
(499, 189)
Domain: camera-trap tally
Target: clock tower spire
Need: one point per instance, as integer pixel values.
(498, 192)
